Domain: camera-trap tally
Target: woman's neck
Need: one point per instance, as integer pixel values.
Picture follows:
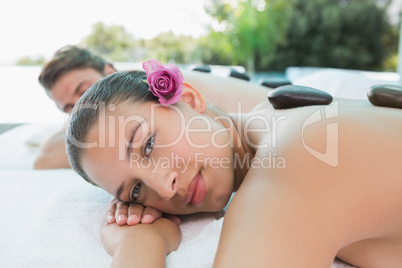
(242, 152)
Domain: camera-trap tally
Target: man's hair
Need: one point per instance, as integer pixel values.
(66, 59)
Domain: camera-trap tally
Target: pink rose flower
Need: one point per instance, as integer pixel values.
(165, 82)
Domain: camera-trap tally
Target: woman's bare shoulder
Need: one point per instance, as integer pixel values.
(227, 93)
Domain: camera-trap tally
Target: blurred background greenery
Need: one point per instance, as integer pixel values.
(266, 35)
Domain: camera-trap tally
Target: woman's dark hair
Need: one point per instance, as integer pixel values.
(116, 88)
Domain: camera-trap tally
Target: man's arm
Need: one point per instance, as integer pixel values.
(52, 153)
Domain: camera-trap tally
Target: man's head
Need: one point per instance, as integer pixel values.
(70, 73)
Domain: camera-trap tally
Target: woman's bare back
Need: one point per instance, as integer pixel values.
(339, 191)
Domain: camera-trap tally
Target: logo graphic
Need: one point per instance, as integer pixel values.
(330, 156)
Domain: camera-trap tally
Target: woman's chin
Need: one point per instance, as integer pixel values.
(220, 204)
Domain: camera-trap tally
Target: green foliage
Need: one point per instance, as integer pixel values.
(166, 47)
(340, 34)
(391, 63)
(269, 35)
(346, 34)
(244, 32)
(30, 61)
(115, 44)
(111, 42)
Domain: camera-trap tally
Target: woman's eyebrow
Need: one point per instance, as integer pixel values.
(130, 141)
(119, 191)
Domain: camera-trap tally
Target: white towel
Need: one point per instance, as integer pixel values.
(19, 146)
(66, 233)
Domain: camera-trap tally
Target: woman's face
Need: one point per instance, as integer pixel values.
(170, 158)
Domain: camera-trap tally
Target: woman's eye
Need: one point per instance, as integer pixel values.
(136, 192)
(149, 145)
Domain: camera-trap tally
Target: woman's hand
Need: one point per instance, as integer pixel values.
(126, 213)
(130, 245)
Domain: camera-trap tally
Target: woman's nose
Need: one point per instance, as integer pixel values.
(165, 184)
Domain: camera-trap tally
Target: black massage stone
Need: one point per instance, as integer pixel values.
(275, 83)
(203, 68)
(386, 96)
(236, 74)
(291, 96)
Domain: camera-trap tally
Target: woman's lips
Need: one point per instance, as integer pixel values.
(196, 191)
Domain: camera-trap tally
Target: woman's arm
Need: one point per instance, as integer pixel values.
(142, 245)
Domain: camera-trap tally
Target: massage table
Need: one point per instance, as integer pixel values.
(53, 218)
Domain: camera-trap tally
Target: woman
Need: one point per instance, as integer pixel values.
(312, 183)
(72, 70)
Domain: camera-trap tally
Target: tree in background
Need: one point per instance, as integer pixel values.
(115, 44)
(341, 34)
(111, 42)
(274, 34)
(269, 35)
(244, 32)
(26, 60)
(168, 47)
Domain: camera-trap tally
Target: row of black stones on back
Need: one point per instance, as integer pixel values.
(286, 96)
(270, 82)
(233, 73)
(291, 96)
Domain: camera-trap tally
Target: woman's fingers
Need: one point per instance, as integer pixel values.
(111, 211)
(150, 215)
(125, 213)
(121, 212)
(134, 214)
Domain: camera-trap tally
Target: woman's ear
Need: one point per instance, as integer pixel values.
(193, 97)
